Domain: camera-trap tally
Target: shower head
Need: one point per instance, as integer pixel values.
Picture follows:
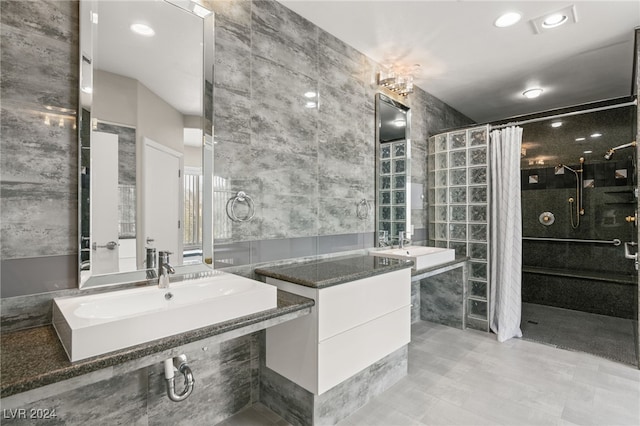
(609, 153)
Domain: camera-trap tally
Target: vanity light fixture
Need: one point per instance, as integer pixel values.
(556, 124)
(532, 93)
(507, 19)
(400, 82)
(142, 29)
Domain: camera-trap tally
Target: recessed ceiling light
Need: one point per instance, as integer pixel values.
(556, 124)
(507, 19)
(142, 29)
(596, 135)
(532, 93)
(580, 139)
(554, 20)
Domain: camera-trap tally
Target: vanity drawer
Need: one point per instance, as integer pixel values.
(343, 307)
(345, 354)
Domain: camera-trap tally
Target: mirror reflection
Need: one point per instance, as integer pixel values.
(393, 174)
(142, 135)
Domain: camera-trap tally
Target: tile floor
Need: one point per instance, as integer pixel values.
(467, 378)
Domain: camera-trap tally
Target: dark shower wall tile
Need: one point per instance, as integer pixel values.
(595, 296)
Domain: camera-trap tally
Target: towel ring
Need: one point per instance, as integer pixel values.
(363, 209)
(241, 197)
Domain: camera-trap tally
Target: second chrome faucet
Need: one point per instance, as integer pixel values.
(164, 269)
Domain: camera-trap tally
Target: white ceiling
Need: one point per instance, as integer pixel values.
(480, 69)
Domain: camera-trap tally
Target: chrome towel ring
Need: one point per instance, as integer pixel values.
(363, 209)
(232, 204)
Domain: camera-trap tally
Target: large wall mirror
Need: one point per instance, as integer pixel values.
(145, 138)
(393, 170)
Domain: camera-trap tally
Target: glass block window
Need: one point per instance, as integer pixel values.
(458, 172)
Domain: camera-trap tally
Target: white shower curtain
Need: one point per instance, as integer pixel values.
(506, 238)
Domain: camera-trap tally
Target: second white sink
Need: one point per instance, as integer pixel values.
(423, 257)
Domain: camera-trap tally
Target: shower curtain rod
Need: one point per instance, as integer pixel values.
(567, 114)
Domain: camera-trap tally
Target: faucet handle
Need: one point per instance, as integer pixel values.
(163, 256)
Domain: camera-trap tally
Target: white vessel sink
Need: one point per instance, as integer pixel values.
(96, 324)
(423, 257)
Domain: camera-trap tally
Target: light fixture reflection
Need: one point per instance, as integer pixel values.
(532, 93)
(507, 19)
(142, 29)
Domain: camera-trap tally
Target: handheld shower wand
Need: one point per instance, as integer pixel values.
(578, 200)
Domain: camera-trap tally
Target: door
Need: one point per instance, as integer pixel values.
(104, 203)
(163, 199)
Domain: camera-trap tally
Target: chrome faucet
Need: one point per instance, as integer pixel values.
(402, 240)
(383, 239)
(164, 269)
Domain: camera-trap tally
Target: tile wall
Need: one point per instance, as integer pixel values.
(306, 168)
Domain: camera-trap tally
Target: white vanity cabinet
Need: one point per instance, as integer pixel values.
(352, 326)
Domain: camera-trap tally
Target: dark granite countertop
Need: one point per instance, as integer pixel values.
(325, 272)
(35, 357)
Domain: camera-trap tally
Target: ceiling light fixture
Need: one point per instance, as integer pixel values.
(596, 135)
(507, 19)
(554, 20)
(310, 94)
(397, 80)
(532, 93)
(556, 124)
(580, 139)
(142, 29)
(587, 152)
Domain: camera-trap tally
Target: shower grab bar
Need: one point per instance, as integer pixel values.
(615, 241)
